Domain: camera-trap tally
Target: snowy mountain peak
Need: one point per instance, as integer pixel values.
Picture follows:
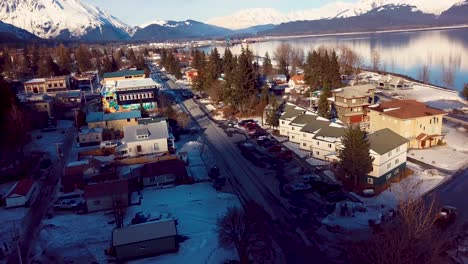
(262, 16)
(168, 23)
(51, 18)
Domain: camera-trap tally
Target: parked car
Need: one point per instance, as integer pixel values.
(286, 155)
(69, 204)
(268, 144)
(296, 187)
(275, 148)
(108, 144)
(446, 216)
(243, 122)
(311, 178)
(251, 126)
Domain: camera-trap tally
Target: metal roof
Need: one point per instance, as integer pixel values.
(155, 130)
(144, 232)
(315, 125)
(357, 91)
(385, 140)
(304, 119)
(332, 132)
(122, 73)
(101, 116)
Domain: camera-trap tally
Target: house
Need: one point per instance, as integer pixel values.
(70, 98)
(23, 193)
(112, 121)
(39, 103)
(280, 79)
(309, 130)
(57, 84)
(152, 138)
(146, 239)
(122, 75)
(76, 173)
(326, 143)
(163, 172)
(132, 94)
(106, 195)
(290, 112)
(90, 136)
(351, 103)
(84, 81)
(297, 83)
(35, 86)
(191, 76)
(417, 122)
(389, 152)
(296, 125)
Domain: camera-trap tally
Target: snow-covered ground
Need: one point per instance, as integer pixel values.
(452, 156)
(197, 208)
(295, 147)
(11, 221)
(415, 185)
(199, 159)
(49, 141)
(83, 238)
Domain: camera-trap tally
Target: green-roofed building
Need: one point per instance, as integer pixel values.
(389, 151)
(123, 75)
(290, 112)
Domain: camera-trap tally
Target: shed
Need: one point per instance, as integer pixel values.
(22, 193)
(146, 239)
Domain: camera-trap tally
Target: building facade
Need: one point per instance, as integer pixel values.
(123, 75)
(417, 122)
(113, 121)
(106, 195)
(351, 103)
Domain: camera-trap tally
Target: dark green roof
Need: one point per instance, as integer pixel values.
(290, 111)
(330, 131)
(384, 140)
(315, 125)
(122, 73)
(304, 119)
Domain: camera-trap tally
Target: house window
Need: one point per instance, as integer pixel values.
(398, 149)
(389, 165)
(329, 145)
(97, 202)
(156, 146)
(304, 135)
(370, 180)
(344, 100)
(138, 148)
(317, 153)
(353, 101)
(390, 153)
(282, 122)
(397, 161)
(318, 143)
(304, 144)
(128, 119)
(292, 128)
(292, 137)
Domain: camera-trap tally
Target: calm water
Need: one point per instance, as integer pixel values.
(444, 52)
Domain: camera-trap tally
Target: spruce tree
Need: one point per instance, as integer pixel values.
(355, 159)
(272, 116)
(267, 65)
(465, 91)
(323, 106)
(83, 58)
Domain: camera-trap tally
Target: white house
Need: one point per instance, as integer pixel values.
(326, 143)
(290, 112)
(296, 125)
(308, 132)
(23, 193)
(389, 152)
(297, 83)
(145, 139)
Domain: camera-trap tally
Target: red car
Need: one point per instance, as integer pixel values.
(286, 155)
(275, 148)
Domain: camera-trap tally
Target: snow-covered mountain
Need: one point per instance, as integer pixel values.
(163, 30)
(262, 16)
(63, 19)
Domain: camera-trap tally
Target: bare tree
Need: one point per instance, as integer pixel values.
(282, 55)
(297, 59)
(350, 61)
(411, 237)
(215, 91)
(18, 124)
(424, 74)
(375, 60)
(245, 230)
(183, 119)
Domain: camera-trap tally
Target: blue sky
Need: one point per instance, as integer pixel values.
(136, 12)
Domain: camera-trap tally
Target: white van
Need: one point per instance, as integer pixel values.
(108, 144)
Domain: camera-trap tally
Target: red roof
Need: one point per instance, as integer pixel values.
(22, 188)
(298, 79)
(405, 109)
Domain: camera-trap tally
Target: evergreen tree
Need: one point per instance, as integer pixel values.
(64, 59)
(267, 65)
(334, 69)
(244, 81)
(83, 58)
(283, 67)
(198, 61)
(48, 68)
(323, 106)
(273, 113)
(355, 159)
(32, 58)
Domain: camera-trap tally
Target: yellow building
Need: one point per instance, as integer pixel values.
(417, 122)
(113, 121)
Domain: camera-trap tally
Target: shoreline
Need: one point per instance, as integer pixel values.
(268, 38)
